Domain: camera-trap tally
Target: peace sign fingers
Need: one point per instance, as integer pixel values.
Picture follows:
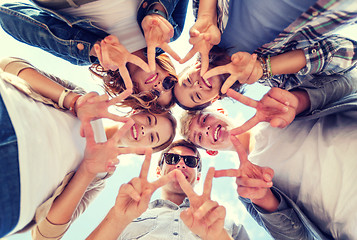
(146, 164)
(207, 189)
(185, 186)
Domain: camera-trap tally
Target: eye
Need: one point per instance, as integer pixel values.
(199, 137)
(189, 81)
(204, 119)
(198, 96)
(151, 138)
(149, 120)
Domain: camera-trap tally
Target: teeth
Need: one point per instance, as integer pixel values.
(216, 132)
(151, 79)
(135, 132)
(207, 82)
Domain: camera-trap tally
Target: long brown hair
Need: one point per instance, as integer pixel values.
(114, 85)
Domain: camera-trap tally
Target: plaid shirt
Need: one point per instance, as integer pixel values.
(314, 33)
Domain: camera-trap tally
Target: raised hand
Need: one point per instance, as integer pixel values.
(133, 198)
(278, 107)
(158, 32)
(252, 180)
(204, 217)
(204, 34)
(93, 106)
(113, 55)
(102, 157)
(244, 67)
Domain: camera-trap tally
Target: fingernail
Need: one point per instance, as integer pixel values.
(287, 103)
(197, 215)
(286, 109)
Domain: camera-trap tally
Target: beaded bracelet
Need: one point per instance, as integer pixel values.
(63, 95)
(266, 66)
(72, 105)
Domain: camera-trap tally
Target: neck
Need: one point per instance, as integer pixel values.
(245, 140)
(176, 198)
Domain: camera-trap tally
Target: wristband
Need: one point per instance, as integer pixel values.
(266, 66)
(63, 95)
(73, 104)
(158, 12)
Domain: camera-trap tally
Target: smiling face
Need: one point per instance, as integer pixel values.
(151, 81)
(192, 90)
(149, 130)
(191, 174)
(210, 131)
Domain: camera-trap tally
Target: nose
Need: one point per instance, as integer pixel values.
(207, 130)
(158, 86)
(142, 128)
(181, 164)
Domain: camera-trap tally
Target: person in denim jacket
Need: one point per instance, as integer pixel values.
(71, 35)
(312, 161)
(176, 214)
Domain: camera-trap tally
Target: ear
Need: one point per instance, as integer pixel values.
(158, 172)
(198, 177)
(215, 98)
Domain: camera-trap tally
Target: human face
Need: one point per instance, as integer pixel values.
(192, 90)
(152, 81)
(210, 131)
(191, 174)
(149, 130)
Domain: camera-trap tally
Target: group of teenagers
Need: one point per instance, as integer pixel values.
(296, 173)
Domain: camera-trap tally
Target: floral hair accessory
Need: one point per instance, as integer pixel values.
(212, 152)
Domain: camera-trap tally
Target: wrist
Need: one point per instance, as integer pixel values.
(303, 100)
(269, 202)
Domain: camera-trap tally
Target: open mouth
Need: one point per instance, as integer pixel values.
(134, 132)
(206, 82)
(152, 78)
(217, 133)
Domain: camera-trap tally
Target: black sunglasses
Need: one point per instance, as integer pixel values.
(173, 159)
(168, 82)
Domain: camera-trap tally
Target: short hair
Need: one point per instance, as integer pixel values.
(181, 143)
(186, 121)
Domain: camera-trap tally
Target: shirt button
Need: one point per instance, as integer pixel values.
(313, 51)
(315, 13)
(175, 233)
(176, 220)
(80, 46)
(145, 4)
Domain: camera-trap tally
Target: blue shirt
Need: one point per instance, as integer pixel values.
(252, 23)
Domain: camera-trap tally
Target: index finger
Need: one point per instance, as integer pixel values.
(189, 55)
(151, 55)
(227, 173)
(246, 126)
(242, 153)
(216, 71)
(88, 132)
(204, 62)
(139, 62)
(164, 180)
(126, 77)
(207, 187)
(126, 93)
(185, 186)
(242, 99)
(121, 131)
(170, 51)
(146, 165)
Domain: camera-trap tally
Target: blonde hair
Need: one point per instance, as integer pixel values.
(114, 85)
(186, 121)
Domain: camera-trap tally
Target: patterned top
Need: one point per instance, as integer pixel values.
(314, 33)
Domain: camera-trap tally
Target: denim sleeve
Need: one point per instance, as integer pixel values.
(288, 222)
(331, 55)
(324, 90)
(175, 11)
(39, 28)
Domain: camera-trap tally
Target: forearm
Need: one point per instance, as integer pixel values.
(269, 203)
(223, 236)
(66, 203)
(288, 63)
(45, 86)
(111, 227)
(208, 8)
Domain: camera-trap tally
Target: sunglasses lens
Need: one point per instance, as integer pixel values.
(168, 83)
(191, 161)
(171, 159)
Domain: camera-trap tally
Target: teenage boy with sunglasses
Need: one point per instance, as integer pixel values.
(175, 214)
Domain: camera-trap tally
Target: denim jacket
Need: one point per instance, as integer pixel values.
(68, 37)
(289, 221)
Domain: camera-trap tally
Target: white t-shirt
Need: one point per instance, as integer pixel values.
(49, 146)
(116, 18)
(315, 164)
